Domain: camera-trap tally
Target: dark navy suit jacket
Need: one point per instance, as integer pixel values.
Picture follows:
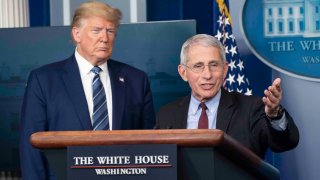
(54, 100)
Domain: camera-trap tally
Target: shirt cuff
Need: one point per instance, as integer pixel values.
(281, 124)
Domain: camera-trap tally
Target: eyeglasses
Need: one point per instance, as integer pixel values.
(199, 67)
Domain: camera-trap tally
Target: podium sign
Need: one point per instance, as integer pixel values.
(134, 162)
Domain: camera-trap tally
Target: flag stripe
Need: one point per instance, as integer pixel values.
(236, 80)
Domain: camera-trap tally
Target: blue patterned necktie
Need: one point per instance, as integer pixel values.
(100, 111)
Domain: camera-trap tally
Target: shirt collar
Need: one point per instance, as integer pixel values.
(85, 66)
(212, 104)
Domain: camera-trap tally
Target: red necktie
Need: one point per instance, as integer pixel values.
(203, 120)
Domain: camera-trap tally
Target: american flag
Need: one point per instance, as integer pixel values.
(236, 79)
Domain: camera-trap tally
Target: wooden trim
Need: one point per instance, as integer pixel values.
(62, 139)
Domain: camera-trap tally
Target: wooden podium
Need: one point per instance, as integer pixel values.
(202, 154)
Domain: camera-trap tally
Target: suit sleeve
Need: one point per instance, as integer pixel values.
(284, 140)
(33, 119)
(164, 118)
(264, 135)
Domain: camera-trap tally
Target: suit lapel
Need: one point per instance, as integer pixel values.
(225, 111)
(118, 82)
(72, 81)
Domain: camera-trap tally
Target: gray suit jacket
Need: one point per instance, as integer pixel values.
(241, 117)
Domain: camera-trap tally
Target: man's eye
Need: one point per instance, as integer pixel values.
(111, 31)
(213, 64)
(197, 66)
(95, 31)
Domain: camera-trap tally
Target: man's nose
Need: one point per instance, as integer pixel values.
(104, 37)
(206, 72)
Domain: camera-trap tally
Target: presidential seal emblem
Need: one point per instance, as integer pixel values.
(285, 35)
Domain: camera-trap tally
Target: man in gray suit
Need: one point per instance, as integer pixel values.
(257, 123)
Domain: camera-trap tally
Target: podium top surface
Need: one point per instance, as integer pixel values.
(183, 137)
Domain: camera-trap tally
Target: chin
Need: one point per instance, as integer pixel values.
(103, 54)
(103, 57)
(208, 96)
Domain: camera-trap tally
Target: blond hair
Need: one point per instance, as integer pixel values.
(96, 9)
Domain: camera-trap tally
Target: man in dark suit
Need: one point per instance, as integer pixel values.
(63, 95)
(257, 123)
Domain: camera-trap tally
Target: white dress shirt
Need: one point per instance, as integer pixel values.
(87, 77)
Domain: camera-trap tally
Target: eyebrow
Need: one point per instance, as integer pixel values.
(211, 61)
(98, 27)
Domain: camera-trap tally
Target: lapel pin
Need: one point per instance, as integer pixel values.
(121, 79)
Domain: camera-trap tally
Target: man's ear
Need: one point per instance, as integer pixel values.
(76, 34)
(183, 73)
(225, 69)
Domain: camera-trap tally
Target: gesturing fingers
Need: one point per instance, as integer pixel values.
(271, 100)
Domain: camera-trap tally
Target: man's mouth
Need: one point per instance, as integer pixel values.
(207, 86)
(103, 48)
